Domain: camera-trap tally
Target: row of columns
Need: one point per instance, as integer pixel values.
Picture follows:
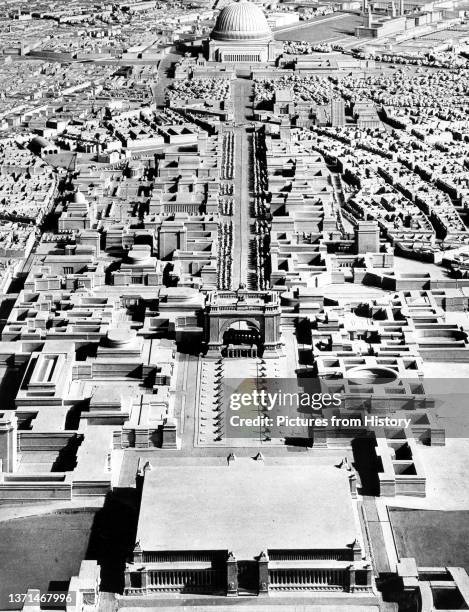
(237, 351)
(275, 578)
(345, 578)
(174, 578)
(234, 57)
(184, 578)
(307, 577)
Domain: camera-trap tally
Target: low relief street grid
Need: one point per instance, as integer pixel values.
(234, 305)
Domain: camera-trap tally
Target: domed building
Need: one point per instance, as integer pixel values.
(242, 34)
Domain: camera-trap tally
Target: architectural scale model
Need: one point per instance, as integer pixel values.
(234, 305)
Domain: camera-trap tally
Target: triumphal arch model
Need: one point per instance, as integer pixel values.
(242, 323)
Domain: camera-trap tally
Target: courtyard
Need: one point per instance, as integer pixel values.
(434, 538)
(47, 549)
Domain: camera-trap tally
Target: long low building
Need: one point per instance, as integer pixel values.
(244, 526)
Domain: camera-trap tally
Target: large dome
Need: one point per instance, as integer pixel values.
(241, 21)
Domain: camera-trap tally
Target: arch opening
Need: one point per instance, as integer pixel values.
(241, 339)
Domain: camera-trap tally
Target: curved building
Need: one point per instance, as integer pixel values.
(242, 34)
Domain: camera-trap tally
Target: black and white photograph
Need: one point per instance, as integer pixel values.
(234, 305)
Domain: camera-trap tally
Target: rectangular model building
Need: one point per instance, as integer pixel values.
(244, 526)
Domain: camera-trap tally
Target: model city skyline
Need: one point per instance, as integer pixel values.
(210, 211)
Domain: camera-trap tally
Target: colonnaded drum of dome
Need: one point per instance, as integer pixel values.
(234, 294)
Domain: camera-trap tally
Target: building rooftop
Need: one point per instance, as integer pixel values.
(246, 507)
(241, 21)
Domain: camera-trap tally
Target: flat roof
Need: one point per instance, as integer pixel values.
(246, 507)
